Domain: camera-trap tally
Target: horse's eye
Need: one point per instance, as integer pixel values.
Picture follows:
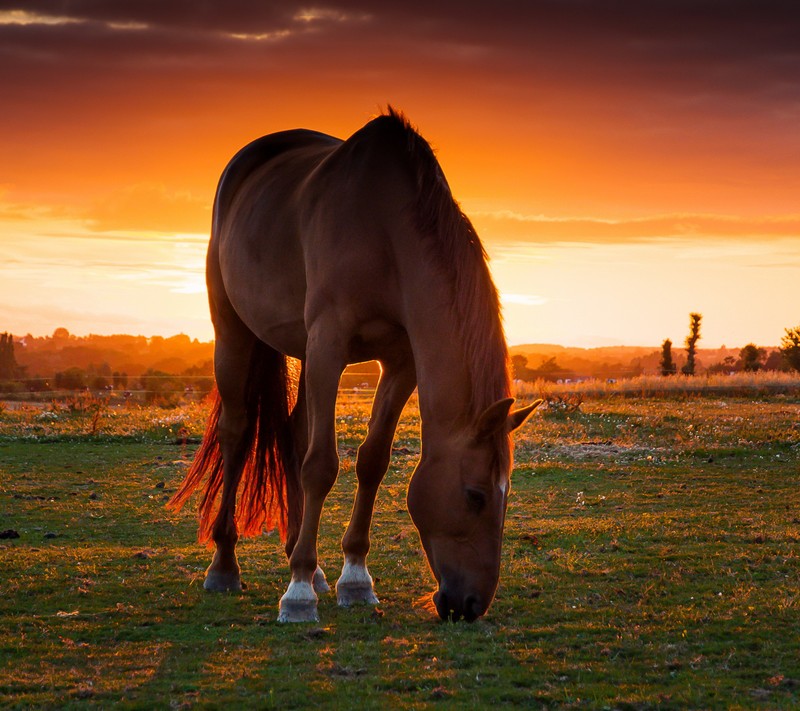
(476, 500)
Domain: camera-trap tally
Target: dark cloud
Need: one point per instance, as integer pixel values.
(657, 77)
(686, 39)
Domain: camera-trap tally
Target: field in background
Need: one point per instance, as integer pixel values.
(743, 384)
(650, 561)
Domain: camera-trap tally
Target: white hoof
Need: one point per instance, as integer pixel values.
(298, 604)
(222, 582)
(320, 582)
(355, 585)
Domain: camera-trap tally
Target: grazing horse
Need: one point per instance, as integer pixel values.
(334, 252)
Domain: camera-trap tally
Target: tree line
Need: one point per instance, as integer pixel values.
(155, 369)
(628, 362)
(164, 368)
(751, 357)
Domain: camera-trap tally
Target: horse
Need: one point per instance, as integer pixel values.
(329, 252)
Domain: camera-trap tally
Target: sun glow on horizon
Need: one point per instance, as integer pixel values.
(571, 293)
(617, 186)
(57, 273)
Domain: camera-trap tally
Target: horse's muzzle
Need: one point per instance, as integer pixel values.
(454, 605)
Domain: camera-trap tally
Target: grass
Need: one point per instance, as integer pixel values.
(650, 561)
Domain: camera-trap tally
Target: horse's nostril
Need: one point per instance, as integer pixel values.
(455, 607)
(447, 606)
(473, 608)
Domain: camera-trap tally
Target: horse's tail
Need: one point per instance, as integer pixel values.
(269, 489)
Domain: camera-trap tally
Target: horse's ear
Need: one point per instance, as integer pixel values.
(493, 418)
(498, 416)
(516, 418)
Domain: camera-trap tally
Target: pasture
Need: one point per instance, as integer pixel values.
(650, 561)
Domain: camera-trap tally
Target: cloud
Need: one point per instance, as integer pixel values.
(151, 207)
(522, 299)
(741, 47)
(638, 77)
(24, 17)
(507, 226)
(123, 214)
(561, 92)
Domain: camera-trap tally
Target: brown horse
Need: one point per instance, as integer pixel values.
(335, 252)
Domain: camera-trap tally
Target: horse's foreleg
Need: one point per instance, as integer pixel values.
(395, 387)
(300, 437)
(323, 367)
(231, 368)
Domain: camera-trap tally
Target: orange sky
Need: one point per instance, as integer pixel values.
(625, 163)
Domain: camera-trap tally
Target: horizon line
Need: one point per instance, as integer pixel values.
(528, 344)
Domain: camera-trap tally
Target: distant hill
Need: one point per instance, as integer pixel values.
(132, 355)
(45, 356)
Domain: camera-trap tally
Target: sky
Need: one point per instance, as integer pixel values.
(625, 162)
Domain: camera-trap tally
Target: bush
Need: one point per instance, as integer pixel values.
(790, 347)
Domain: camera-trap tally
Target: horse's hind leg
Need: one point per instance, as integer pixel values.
(232, 359)
(395, 387)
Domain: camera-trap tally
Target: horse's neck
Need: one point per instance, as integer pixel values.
(443, 376)
(438, 337)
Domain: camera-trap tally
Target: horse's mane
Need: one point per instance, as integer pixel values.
(460, 255)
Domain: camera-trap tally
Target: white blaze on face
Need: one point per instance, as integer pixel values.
(503, 486)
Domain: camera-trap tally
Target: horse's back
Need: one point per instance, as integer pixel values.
(259, 153)
(356, 217)
(307, 224)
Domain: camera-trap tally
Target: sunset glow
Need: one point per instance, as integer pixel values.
(625, 164)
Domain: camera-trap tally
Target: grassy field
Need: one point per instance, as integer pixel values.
(651, 561)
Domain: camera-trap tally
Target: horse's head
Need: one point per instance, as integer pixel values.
(457, 499)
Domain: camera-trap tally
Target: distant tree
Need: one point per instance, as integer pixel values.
(751, 357)
(668, 367)
(98, 377)
(519, 368)
(548, 369)
(161, 388)
(776, 361)
(8, 363)
(790, 347)
(120, 380)
(691, 343)
(100, 382)
(726, 365)
(197, 380)
(71, 379)
(207, 368)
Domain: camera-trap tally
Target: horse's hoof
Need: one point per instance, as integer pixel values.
(352, 593)
(298, 611)
(355, 585)
(320, 582)
(220, 581)
(299, 604)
